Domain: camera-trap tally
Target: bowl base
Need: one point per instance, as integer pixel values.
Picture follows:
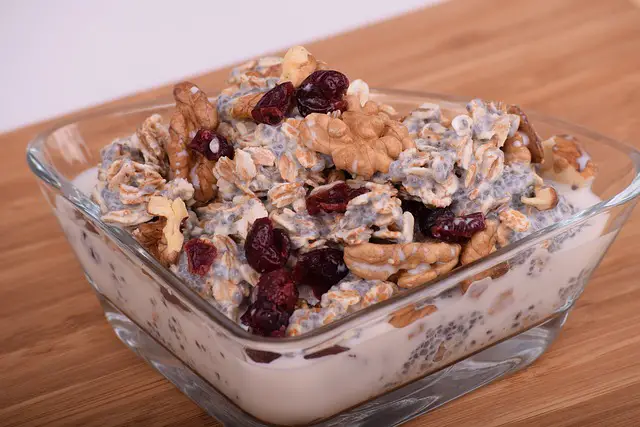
(391, 409)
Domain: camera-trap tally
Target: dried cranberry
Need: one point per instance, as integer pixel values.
(274, 105)
(278, 288)
(454, 229)
(322, 92)
(200, 255)
(261, 356)
(320, 269)
(333, 199)
(267, 248)
(264, 318)
(211, 144)
(425, 217)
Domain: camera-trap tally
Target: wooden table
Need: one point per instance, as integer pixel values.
(60, 363)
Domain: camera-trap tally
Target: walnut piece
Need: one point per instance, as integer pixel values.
(566, 162)
(149, 235)
(360, 89)
(515, 150)
(242, 106)
(514, 220)
(479, 246)
(416, 263)
(193, 112)
(533, 142)
(297, 65)
(174, 211)
(545, 198)
(364, 141)
(409, 314)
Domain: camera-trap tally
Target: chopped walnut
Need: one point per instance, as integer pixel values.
(360, 89)
(482, 244)
(416, 263)
(174, 211)
(362, 142)
(514, 220)
(149, 235)
(516, 151)
(297, 65)
(242, 106)
(545, 198)
(565, 161)
(193, 112)
(409, 314)
(532, 140)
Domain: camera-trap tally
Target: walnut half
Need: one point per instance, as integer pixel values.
(193, 112)
(545, 198)
(297, 65)
(565, 161)
(415, 263)
(364, 141)
(172, 239)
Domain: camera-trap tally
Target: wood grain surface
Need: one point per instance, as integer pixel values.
(61, 364)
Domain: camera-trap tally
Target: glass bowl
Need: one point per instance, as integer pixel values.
(382, 365)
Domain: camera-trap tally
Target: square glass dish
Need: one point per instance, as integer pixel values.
(383, 365)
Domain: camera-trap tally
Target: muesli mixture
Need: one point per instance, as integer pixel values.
(292, 199)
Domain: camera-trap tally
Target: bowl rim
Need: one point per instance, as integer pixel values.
(38, 164)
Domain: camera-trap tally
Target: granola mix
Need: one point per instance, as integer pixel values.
(293, 199)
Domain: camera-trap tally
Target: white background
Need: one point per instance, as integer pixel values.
(63, 55)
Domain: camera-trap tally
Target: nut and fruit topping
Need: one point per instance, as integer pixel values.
(294, 179)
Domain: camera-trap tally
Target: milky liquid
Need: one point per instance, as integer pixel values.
(295, 390)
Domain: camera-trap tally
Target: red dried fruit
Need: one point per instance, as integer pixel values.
(424, 217)
(322, 92)
(265, 319)
(320, 269)
(274, 105)
(267, 249)
(278, 288)
(211, 144)
(200, 255)
(261, 356)
(450, 228)
(334, 199)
